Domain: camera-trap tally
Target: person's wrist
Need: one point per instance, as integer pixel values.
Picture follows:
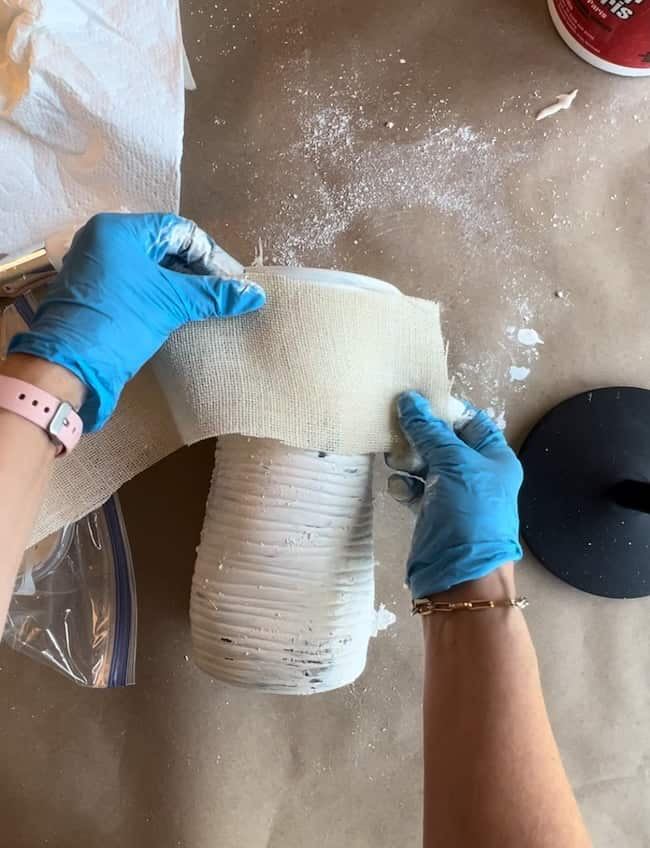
(440, 630)
(495, 586)
(48, 376)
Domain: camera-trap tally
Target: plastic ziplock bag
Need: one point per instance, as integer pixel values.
(73, 606)
(74, 602)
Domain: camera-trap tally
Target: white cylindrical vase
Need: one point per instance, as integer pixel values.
(283, 590)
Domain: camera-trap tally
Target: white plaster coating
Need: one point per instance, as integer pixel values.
(562, 101)
(519, 372)
(283, 589)
(529, 337)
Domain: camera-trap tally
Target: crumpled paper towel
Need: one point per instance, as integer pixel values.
(91, 112)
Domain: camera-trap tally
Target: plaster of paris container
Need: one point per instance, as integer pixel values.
(283, 595)
(613, 35)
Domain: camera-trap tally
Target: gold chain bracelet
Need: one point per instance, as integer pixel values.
(425, 606)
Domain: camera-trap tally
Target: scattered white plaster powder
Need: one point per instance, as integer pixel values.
(498, 418)
(519, 372)
(358, 187)
(500, 421)
(453, 169)
(528, 336)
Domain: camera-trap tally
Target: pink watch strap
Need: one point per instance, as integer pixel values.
(56, 417)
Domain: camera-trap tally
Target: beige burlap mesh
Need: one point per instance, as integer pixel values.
(318, 368)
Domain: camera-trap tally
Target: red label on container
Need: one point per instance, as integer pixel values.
(617, 31)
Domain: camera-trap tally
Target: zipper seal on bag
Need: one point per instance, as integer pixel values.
(122, 666)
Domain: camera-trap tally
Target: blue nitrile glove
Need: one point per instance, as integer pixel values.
(467, 484)
(127, 282)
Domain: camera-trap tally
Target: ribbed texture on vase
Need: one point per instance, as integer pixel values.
(283, 588)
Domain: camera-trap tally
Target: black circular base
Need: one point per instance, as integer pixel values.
(585, 502)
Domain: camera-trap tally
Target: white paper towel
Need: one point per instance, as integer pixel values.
(91, 112)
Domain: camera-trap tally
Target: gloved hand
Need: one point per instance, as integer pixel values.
(467, 484)
(127, 282)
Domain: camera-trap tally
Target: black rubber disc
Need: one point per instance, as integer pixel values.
(585, 502)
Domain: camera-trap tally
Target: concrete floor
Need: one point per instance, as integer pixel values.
(396, 140)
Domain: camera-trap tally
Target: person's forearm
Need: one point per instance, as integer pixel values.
(113, 304)
(26, 457)
(493, 774)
